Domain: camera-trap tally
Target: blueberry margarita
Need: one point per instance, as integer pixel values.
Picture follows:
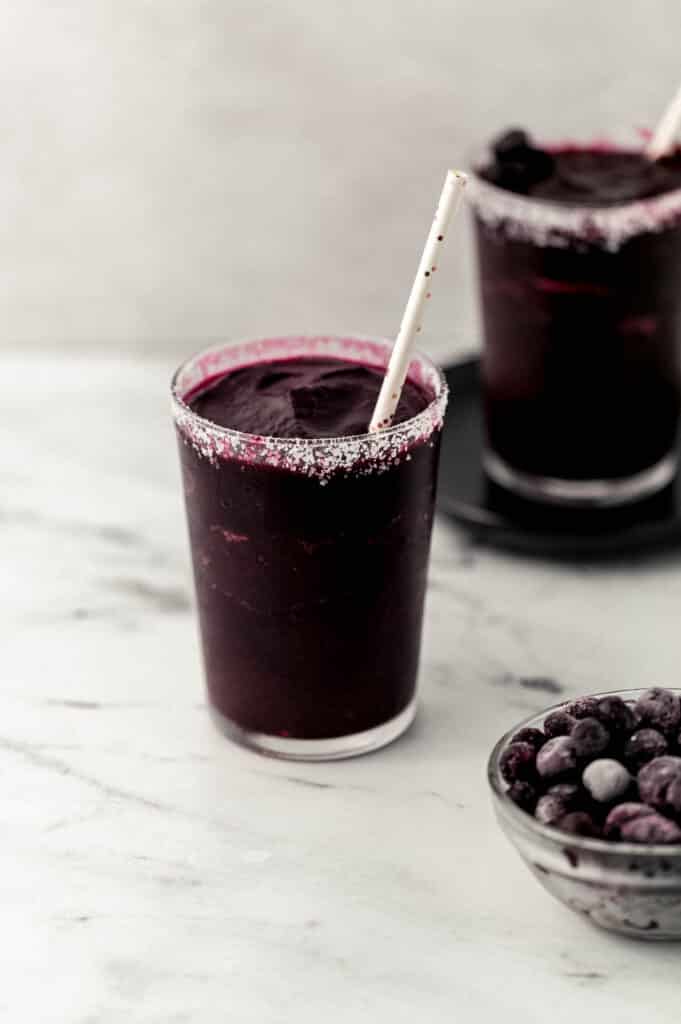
(309, 538)
(579, 248)
(602, 767)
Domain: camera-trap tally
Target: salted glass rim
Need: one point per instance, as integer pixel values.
(542, 219)
(436, 404)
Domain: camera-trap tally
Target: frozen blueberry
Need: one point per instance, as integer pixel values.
(659, 783)
(558, 801)
(517, 163)
(550, 809)
(511, 145)
(524, 795)
(558, 723)
(535, 737)
(621, 815)
(674, 797)
(660, 709)
(557, 758)
(583, 707)
(606, 779)
(590, 738)
(642, 746)
(517, 762)
(578, 823)
(569, 792)
(617, 717)
(651, 828)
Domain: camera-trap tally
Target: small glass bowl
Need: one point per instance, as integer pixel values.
(625, 887)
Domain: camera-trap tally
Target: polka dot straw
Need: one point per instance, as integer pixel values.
(391, 389)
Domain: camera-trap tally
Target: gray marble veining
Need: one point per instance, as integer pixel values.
(152, 872)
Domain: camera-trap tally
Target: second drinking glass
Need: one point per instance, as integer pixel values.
(581, 307)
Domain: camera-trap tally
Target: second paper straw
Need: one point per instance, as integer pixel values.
(666, 130)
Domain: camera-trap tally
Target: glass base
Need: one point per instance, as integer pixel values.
(581, 493)
(333, 749)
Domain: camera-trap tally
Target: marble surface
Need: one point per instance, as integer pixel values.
(152, 872)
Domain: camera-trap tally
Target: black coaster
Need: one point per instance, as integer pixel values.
(494, 515)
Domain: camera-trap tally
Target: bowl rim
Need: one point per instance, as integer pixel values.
(554, 835)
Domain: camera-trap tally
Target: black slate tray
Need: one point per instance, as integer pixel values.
(495, 516)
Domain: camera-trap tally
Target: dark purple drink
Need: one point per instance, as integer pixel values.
(309, 539)
(580, 276)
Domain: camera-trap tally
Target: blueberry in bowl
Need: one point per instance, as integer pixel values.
(589, 793)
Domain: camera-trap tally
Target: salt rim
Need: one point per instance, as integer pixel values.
(323, 458)
(545, 223)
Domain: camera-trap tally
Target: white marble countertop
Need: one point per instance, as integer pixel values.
(152, 872)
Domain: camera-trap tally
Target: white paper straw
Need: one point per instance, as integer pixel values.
(667, 129)
(391, 388)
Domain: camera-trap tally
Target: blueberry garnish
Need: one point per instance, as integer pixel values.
(517, 164)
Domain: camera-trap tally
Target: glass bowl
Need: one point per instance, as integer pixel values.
(625, 887)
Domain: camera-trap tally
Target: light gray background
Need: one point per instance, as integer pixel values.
(176, 171)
